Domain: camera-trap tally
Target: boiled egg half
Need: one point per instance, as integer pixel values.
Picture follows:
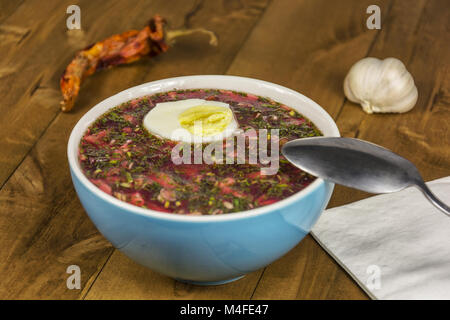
(191, 120)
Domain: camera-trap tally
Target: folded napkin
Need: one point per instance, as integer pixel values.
(396, 246)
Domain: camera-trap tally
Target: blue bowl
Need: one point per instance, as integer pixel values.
(204, 249)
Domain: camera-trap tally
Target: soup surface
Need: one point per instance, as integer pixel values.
(123, 159)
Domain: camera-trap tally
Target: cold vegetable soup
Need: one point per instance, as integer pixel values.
(195, 152)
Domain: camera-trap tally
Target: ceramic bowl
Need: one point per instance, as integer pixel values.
(204, 249)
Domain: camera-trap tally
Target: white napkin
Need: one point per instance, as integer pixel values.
(396, 246)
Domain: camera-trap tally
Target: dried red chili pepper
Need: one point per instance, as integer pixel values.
(119, 49)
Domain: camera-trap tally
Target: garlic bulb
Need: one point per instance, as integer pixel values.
(381, 85)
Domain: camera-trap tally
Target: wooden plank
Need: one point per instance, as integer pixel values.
(25, 71)
(35, 49)
(8, 7)
(43, 227)
(121, 278)
(306, 272)
(409, 34)
(309, 49)
(307, 46)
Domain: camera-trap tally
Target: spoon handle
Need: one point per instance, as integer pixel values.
(433, 199)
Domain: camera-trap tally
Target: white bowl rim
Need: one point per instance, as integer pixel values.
(132, 93)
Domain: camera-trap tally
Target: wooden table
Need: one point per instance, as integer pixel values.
(305, 45)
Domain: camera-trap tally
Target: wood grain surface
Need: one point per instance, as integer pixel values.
(307, 45)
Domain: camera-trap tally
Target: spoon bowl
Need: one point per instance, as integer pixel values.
(357, 164)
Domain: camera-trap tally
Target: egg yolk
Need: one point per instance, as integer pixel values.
(205, 120)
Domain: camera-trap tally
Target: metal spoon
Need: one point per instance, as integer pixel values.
(357, 164)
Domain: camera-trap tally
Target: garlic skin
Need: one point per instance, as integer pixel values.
(381, 86)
